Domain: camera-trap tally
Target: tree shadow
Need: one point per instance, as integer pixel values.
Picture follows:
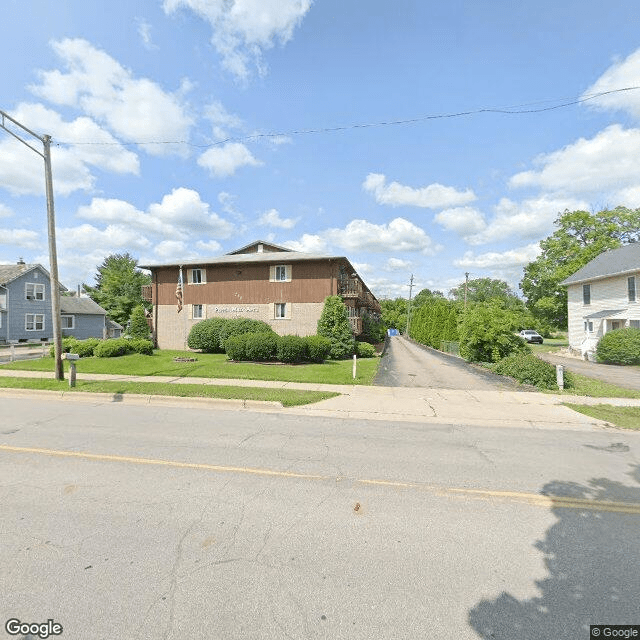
(593, 560)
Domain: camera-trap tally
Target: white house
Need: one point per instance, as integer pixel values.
(603, 296)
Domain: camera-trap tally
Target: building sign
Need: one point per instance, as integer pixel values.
(236, 309)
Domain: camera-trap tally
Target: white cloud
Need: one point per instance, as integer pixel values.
(144, 31)
(244, 29)
(24, 238)
(464, 221)
(605, 164)
(433, 196)
(211, 248)
(363, 267)
(395, 264)
(136, 109)
(272, 218)
(5, 212)
(621, 74)
(221, 119)
(224, 161)
(398, 235)
(308, 244)
(113, 239)
(506, 259)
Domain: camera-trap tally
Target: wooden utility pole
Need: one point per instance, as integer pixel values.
(409, 305)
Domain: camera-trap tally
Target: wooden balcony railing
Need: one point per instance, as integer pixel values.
(147, 293)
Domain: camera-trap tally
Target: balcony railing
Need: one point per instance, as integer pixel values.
(147, 293)
(356, 325)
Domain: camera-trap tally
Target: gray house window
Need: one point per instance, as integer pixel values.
(586, 294)
(34, 291)
(66, 322)
(631, 287)
(34, 322)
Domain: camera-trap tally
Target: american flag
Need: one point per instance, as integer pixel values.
(179, 291)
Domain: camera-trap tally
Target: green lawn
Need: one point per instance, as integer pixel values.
(597, 389)
(550, 344)
(215, 366)
(288, 397)
(627, 417)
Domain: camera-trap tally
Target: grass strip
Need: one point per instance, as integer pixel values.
(625, 417)
(288, 397)
(593, 388)
(214, 365)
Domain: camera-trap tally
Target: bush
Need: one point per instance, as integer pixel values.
(373, 330)
(139, 327)
(69, 345)
(291, 349)
(260, 347)
(486, 334)
(318, 348)
(365, 350)
(236, 347)
(239, 326)
(112, 348)
(85, 348)
(205, 335)
(528, 369)
(334, 324)
(142, 346)
(621, 346)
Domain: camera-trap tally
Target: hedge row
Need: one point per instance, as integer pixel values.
(269, 347)
(105, 348)
(528, 369)
(210, 336)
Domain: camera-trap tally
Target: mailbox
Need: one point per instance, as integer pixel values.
(71, 356)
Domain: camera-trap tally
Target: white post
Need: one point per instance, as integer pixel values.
(560, 376)
(354, 366)
(12, 357)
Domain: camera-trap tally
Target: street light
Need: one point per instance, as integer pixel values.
(53, 258)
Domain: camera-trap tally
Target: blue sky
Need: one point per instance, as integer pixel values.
(158, 110)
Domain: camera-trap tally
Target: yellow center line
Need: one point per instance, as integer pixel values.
(533, 499)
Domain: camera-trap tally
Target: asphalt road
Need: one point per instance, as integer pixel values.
(138, 522)
(408, 364)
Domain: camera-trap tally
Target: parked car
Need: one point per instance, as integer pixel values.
(529, 335)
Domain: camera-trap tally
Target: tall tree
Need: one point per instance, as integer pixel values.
(483, 290)
(580, 236)
(118, 287)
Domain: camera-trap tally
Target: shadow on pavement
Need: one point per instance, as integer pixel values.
(592, 557)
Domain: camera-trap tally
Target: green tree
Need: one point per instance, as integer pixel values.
(394, 313)
(334, 324)
(118, 287)
(580, 236)
(139, 327)
(483, 290)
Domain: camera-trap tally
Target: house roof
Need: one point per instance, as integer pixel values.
(607, 313)
(254, 247)
(11, 272)
(84, 306)
(112, 324)
(609, 263)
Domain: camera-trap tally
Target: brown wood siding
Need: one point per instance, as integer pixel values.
(248, 283)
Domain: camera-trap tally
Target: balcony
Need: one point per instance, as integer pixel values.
(356, 325)
(147, 294)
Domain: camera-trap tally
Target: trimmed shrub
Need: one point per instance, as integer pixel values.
(85, 348)
(318, 348)
(112, 348)
(528, 369)
(365, 350)
(239, 326)
(139, 327)
(142, 346)
(334, 324)
(621, 346)
(236, 347)
(68, 345)
(291, 349)
(205, 335)
(260, 347)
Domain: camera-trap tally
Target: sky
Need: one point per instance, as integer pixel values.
(414, 137)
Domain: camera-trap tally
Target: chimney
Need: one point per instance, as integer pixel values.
(21, 264)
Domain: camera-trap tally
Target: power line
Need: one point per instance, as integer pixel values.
(509, 110)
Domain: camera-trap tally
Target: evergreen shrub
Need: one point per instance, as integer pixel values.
(334, 324)
(365, 350)
(528, 369)
(112, 348)
(291, 349)
(318, 348)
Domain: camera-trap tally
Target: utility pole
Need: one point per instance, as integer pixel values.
(409, 305)
(45, 154)
(466, 288)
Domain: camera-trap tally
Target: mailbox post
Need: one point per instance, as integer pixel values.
(72, 358)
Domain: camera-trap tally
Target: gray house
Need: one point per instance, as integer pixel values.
(25, 308)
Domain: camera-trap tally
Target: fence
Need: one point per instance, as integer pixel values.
(450, 347)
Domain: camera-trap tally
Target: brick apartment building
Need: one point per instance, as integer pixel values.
(263, 281)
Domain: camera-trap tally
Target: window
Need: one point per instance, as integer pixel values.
(280, 273)
(34, 322)
(197, 311)
(3, 300)
(66, 322)
(197, 276)
(588, 326)
(586, 294)
(0, 320)
(281, 309)
(34, 291)
(631, 288)
(634, 324)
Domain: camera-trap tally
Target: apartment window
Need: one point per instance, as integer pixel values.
(197, 311)
(281, 309)
(197, 276)
(586, 294)
(34, 322)
(34, 291)
(631, 288)
(280, 273)
(67, 322)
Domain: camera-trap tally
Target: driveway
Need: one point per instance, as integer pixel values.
(408, 364)
(626, 377)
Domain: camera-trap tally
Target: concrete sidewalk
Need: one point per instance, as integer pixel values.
(498, 408)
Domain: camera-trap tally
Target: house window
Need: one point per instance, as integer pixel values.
(586, 294)
(66, 322)
(634, 324)
(34, 322)
(631, 288)
(281, 309)
(34, 291)
(0, 321)
(197, 311)
(197, 276)
(280, 273)
(588, 326)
